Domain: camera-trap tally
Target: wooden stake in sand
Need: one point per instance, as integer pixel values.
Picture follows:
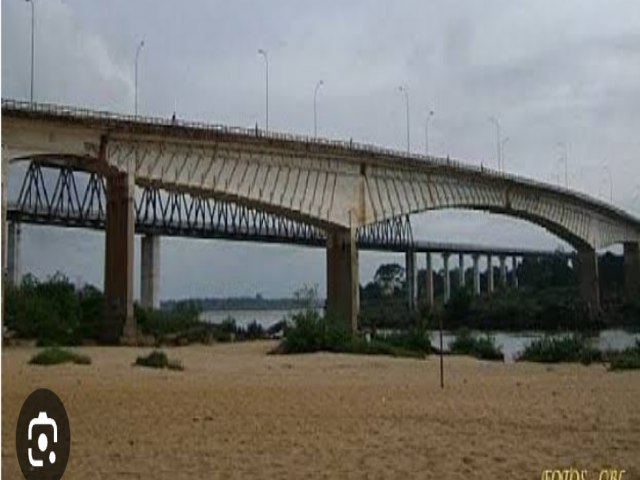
(441, 359)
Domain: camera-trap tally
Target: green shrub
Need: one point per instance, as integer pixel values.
(417, 339)
(162, 324)
(628, 359)
(254, 331)
(571, 348)
(158, 359)
(53, 312)
(309, 332)
(482, 347)
(56, 356)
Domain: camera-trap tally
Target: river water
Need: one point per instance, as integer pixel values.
(512, 343)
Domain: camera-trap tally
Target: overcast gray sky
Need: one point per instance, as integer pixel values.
(552, 72)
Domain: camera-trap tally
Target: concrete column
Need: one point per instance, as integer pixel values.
(429, 286)
(411, 278)
(490, 287)
(342, 277)
(476, 274)
(118, 269)
(632, 270)
(14, 265)
(447, 279)
(589, 280)
(503, 271)
(514, 269)
(461, 280)
(150, 271)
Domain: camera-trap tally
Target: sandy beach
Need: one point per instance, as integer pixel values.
(236, 412)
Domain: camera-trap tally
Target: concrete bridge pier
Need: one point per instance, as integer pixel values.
(342, 277)
(503, 271)
(447, 278)
(14, 264)
(429, 280)
(150, 271)
(632, 270)
(490, 286)
(119, 323)
(514, 270)
(461, 279)
(411, 276)
(476, 274)
(589, 279)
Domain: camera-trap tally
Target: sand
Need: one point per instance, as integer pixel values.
(237, 413)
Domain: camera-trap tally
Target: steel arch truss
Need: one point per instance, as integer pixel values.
(67, 197)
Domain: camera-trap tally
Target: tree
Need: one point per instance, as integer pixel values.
(389, 277)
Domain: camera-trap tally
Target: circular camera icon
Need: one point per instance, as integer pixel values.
(43, 437)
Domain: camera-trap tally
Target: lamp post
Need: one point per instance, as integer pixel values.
(404, 90)
(315, 108)
(505, 140)
(608, 170)
(496, 122)
(33, 16)
(565, 158)
(426, 132)
(140, 45)
(266, 75)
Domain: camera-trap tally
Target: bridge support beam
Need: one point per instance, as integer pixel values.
(461, 279)
(342, 277)
(632, 270)
(490, 285)
(514, 271)
(119, 323)
(476, 274)
(447, 278)
(429, 279)
(150, 271)
(503, 271)
(589, 280)
(412, 286)
(14, 264)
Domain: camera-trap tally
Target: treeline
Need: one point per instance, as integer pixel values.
(547, 299)
(236, 303)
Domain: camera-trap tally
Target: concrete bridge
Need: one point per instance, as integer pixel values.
(337, 187)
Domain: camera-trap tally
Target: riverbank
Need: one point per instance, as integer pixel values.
(237, 412)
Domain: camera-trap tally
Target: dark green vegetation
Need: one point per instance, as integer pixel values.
(570, 348)
(547, 299)
(628, 359)
(309, 332)
(479, 346)
(238, 303)
(56, 356)
(54, 312)
(158, 359)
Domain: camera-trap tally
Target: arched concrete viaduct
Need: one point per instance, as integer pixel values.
(338, 186)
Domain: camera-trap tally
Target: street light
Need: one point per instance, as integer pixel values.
(140, 45)
(426, 132)
(608, 170)
(404, 90)
(315, 109)
(266, 74)
(33, 15)
(564, 158)
(496, 122)
(505, 140)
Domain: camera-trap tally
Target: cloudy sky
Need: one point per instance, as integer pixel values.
(552, 72)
